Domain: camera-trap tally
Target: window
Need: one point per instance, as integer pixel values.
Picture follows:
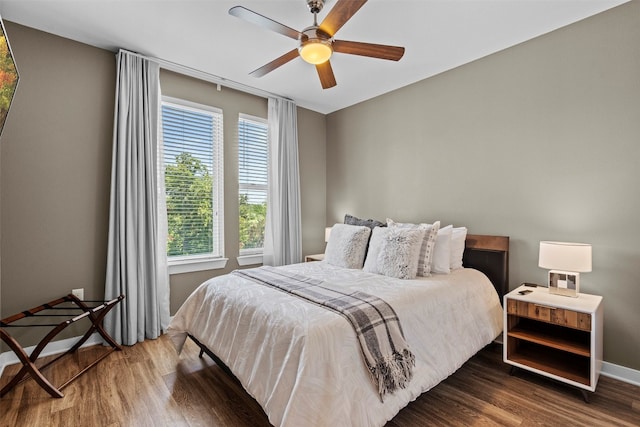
(193, 171)
(253, 156)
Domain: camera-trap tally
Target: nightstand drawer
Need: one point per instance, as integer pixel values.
(557, 316)
(571, 319)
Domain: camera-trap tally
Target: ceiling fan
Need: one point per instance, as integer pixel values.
(316, 42)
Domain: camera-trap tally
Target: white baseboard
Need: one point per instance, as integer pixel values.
(621, 373)
(55, 347)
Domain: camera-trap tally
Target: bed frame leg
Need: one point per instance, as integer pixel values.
(204, 349)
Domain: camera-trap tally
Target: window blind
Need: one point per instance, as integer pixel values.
(192, 156)
(253, 159)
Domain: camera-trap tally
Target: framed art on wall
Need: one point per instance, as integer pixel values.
(8, 76)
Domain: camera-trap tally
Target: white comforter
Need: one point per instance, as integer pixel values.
(302, 363)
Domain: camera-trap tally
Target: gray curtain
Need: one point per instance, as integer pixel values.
(283, 236)
(136, 258)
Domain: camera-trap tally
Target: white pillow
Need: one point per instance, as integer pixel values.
(442, 251)
(428, 244)
(458, 237)
(400, 251)
(378, 237)
(347, 245)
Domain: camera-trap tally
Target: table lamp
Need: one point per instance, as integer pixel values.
(565, 262)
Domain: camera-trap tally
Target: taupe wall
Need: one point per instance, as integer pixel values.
(538, 142)
(55, 172)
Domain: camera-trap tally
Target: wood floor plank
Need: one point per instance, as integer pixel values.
(475, 405)
(150, 385)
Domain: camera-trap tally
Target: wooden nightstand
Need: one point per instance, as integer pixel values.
(555, 336)
(316, 257)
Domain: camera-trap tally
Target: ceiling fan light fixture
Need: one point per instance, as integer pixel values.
(315, 50)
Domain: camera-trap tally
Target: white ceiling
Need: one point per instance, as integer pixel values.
(438, 35)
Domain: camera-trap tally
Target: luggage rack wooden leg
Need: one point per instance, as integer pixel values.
(27, 367)
(94, 314)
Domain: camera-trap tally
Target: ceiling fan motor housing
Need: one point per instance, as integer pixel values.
(314, 33)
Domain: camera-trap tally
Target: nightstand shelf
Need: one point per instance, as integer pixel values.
(555, 336)
(558, 338)
(554, 362)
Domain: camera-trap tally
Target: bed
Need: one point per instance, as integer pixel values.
(302, 363)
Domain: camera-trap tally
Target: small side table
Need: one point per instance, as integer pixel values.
(94, 314)
(555, 336)
(316, 257)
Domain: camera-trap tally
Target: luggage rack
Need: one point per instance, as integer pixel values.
(95, 314)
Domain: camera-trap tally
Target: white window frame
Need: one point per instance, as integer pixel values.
(253, 255)
(215, 260)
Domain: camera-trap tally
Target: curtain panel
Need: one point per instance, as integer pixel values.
(136, 257)
(283, 236)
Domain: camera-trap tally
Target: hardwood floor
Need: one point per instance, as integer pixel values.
(149, 385)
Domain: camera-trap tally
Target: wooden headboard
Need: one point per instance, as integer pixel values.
(489, 254)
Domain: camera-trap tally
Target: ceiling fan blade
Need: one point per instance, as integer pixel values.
(325, 72)
(339, 14)
(381, 51)
(267, 68)
(263, 21)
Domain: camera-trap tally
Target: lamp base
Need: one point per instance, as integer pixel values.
(565, 283)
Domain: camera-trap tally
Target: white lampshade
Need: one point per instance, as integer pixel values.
(565, 256)
(327, 233)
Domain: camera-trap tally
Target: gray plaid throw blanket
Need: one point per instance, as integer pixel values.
(385, 352)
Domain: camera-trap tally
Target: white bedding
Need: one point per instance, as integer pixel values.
(302, 363)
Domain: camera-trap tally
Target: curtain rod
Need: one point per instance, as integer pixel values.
(203, 75)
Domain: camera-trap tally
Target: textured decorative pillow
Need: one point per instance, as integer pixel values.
(428, 244)
(371, 223)
(458, 237)
(442, 251)
(400, 252)
(376, 243)
(347, 245)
